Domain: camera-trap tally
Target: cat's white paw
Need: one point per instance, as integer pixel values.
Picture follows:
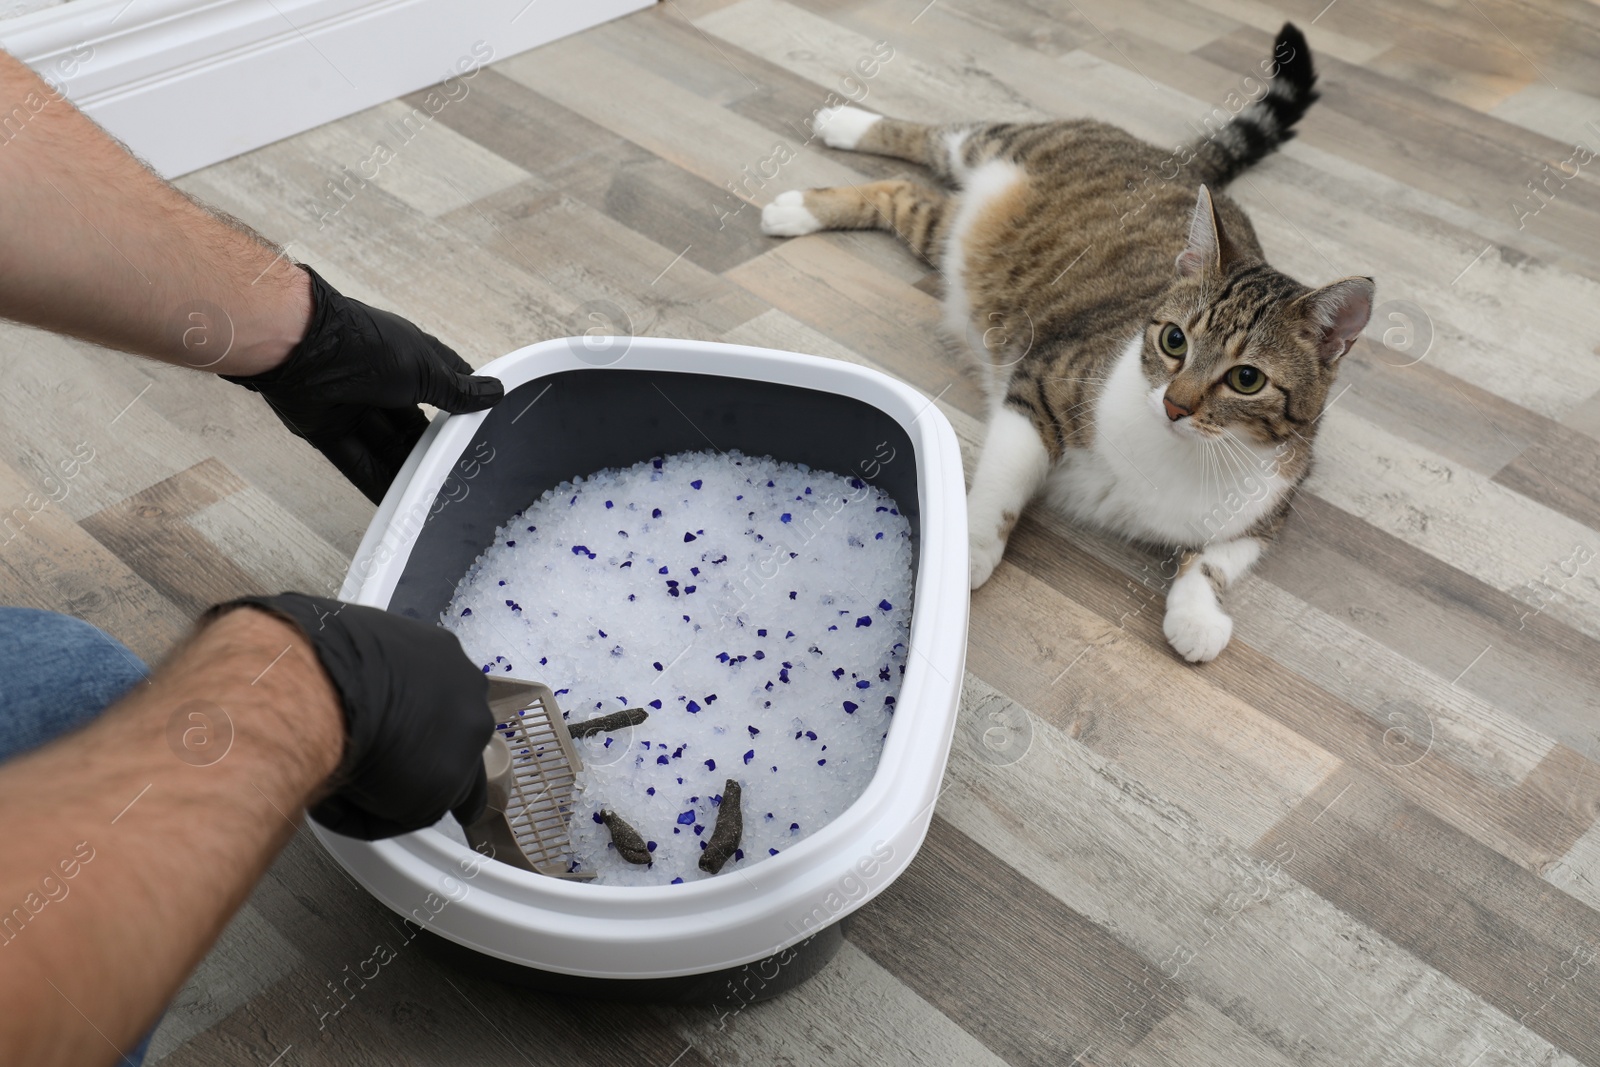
(983, 555)
(787, 216)
(842, 127)
(1197, 629)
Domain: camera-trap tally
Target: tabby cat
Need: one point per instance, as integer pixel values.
(1148, 372)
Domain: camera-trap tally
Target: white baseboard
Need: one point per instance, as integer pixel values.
(186, 83)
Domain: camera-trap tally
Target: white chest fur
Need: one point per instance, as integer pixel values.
(1150, 479)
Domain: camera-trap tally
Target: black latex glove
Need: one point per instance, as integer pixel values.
(352, 385)
(416, 713)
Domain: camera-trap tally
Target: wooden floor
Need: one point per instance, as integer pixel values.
(1365, 835)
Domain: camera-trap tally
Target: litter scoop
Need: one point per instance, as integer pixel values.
(532, 768)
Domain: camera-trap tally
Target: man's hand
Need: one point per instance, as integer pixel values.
(94, 245)
(291, 696)
(351, 386)
(416, 716)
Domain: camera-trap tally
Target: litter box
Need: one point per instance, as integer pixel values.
(574, 406)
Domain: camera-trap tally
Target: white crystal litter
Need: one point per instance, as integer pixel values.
(760, 612)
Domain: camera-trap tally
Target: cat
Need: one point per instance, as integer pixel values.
(1149, 374)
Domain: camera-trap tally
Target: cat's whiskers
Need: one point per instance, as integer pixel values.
(1210, 469)
(1229, 463)
(1250, 456)
(1238, 463)
(1253, 467)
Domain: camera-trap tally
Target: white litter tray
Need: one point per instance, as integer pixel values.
(577, 405)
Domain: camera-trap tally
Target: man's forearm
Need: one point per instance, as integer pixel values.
(94, 245)
(129, 844)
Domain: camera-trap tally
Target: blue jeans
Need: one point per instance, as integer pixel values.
(56, 674)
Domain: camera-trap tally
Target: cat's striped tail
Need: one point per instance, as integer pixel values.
(1231, 145)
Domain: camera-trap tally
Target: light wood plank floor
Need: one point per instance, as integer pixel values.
(1364, 835)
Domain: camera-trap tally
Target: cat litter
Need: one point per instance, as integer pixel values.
(757, 611)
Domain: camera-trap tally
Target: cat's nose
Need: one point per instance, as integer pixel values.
(1175, 412)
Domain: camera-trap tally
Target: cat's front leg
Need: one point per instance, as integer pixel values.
(1010, 471)
(1195, 625)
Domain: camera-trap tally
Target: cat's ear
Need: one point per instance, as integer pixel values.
(1338, 313)
(1209, 247)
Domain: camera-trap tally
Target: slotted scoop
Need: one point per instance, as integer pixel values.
(532, 767)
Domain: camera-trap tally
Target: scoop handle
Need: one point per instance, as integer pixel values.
(492, 831)
(497, 766)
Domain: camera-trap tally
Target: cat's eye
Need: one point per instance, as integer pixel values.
(1172, 341)
(1246, 380)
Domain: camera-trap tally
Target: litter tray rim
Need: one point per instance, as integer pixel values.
(558, 916)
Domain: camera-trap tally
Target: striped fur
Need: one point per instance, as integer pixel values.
(1264, 125)
(1069, 250)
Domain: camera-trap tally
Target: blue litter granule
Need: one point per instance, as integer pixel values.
(686, 818)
